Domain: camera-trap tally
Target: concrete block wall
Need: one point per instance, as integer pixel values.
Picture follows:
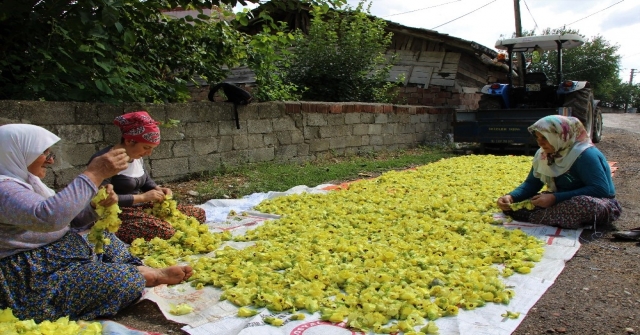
(206, 137)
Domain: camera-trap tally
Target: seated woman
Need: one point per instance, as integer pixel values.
(579, 188)
(134, 187)
(47, 269)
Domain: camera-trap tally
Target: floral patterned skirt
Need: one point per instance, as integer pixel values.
(136, 223)
(574, 213)
(62, 279)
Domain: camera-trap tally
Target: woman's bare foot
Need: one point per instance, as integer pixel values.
(171, 275)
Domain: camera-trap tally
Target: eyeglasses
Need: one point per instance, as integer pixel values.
(49, 156)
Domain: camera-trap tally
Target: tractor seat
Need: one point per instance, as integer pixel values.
(536, 78)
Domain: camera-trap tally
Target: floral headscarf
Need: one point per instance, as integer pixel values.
(568, 137)
(21, 146)
(138, 126)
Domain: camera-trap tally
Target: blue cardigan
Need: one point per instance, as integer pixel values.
(589, 175)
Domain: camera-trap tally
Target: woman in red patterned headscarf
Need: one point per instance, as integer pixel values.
(135, 188)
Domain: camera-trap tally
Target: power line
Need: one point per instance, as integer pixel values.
(415, 10)
(533, 18)
(459, 17)
(568, 24)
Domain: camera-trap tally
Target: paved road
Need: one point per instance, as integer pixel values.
(626, 121)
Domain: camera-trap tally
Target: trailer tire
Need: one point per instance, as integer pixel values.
(581, 103)
(488, 102)
(596, 135)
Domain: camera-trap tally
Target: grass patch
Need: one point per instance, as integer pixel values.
(236, 182)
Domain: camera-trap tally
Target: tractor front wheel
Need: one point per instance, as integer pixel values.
(581, 103)
(596, 135)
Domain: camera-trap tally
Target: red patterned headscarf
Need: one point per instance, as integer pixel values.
(138, 126)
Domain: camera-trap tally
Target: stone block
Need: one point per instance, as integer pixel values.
(353, 141)
(270, 139)
(303, 150)
(225, 144)
(11, 111)
(360, 129)
(164, 150)
(271, 110)
(230, 128)
(64, 175)
(296, 136)
(335, 119)
(381, 118)
(201, 129)
(376, 140)
(240, 142)
(262, 126)
(337, 142)
(74, 154)
(286, 152)
(367, 118)
(205, 146)
(334, 131)
(261, 155)
(169, 167)
(80, 133)
(255, 141)
(319, 145)
(284, 123)
(48, 112)
(375, 129)
(175, 133)
(204, 163)
(388, 128)
(311, 133)
(182, 148)
(284, 137)
(351, 118)
(315, 119)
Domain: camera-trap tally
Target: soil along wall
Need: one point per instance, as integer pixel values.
(207, 138)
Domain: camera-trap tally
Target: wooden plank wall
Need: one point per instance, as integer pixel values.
(422, 61)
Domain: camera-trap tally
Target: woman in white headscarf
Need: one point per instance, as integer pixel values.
(47, 269)
(579, 188)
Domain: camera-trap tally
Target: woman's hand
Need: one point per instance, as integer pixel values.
(107, 165)
(167, 192)
(154, 195)
(544, 200)
(504, 202)
(112, 197)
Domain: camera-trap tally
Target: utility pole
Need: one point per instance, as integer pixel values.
(630, 84)
(521, 69)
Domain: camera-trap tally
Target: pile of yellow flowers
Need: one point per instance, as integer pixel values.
(107, 220)
(191, 238)
(9, 324)
(387, 254)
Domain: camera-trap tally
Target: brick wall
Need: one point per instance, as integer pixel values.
(207, 138)
(462, 98)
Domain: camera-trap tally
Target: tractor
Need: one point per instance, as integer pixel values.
(506, 110)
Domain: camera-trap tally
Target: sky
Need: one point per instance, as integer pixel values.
(486, 21)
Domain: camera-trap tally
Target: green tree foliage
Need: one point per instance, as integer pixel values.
(342, 58)
(596, 61)
(116, 50)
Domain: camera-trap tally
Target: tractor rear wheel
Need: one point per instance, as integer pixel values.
(581, 103)
(596, 135)
(488, 102)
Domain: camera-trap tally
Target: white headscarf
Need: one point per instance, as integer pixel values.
(568, 137)
(20, 145)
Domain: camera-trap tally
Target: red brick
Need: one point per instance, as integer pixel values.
(322, 108)
(378, 108)
(335, 108)
(292, 107)
(388, 109)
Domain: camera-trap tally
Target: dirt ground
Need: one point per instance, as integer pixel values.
(597, 293)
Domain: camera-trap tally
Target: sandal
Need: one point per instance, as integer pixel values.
(631, 234)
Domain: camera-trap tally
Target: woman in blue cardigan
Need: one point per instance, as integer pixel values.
(579, 188)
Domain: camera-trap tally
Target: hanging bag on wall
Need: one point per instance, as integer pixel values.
(235, 95)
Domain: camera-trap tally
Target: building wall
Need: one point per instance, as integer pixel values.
(207, 138)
